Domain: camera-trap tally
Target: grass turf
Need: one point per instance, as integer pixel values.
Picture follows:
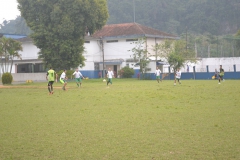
(132, 119)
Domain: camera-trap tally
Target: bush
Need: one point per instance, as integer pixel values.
(126, 72)
(7, 78)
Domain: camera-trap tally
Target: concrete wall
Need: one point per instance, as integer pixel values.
(18, 77)
(214, 63)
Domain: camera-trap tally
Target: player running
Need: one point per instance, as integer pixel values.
(158, 74)
(63, 79)
(51, 75)
(221, 74)
(177, 76)
(110, 75)
(78, 75)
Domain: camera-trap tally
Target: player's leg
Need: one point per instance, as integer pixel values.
(80, 82)
(64, 86)
(111, 80)
(49, 87)
(52, 86)
(179, 81)
(76, 80)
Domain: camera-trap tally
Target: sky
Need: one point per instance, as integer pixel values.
(8, 10)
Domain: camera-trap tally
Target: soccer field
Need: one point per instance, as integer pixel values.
(132, 119)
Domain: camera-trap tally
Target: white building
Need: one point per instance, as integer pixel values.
(110, 47)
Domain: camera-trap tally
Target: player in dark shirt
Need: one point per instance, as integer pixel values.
(221, 74)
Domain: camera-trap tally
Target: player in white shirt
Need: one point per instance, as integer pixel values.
(158, 74)
(78, 76)
(110, 75)
(63, 79)
(177, 76)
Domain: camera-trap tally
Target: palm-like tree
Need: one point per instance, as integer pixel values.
(13, 50)
(9, 49)
(3, 52)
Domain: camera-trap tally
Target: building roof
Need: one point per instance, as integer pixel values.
(131, 29)
(25, 39)
(14, 36)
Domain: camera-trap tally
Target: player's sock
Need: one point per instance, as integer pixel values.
(49, 90)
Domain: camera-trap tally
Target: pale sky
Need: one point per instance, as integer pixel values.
(8, 10)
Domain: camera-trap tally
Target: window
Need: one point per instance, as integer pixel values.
(112, 41)
(96, 66)
(87, 42)
(130, 40)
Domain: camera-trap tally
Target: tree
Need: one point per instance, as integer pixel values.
(59, 27)
(13, 51)
(140, 54)
(237, 41)
(175, 53)
(9, 49)
(126, 72)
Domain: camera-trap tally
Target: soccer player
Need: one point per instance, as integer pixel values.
(51, 75)
(63, 79)
(78, 76)
(158, 74)
(221, 74)
(110, 75)
(177, 76)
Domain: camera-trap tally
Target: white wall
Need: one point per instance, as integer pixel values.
(29, 76)
(214, 63)
(93, 53)
(118, 50)
(30, 51)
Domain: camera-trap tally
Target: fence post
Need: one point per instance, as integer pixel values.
(207, 68)
(194, 72)
(234, 67)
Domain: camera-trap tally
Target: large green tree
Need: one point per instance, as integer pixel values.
(59, 27)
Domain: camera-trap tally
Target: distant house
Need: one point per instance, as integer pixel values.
(109, 47)
(112, 45)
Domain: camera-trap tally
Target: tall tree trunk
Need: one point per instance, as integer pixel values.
(11, 66)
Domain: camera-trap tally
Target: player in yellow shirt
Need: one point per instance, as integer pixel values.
(51, 76)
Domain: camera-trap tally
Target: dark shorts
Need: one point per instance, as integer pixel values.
(50, 83)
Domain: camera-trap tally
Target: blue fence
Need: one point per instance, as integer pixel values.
(151, 76)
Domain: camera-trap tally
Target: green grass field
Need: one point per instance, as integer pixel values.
(133, 119)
